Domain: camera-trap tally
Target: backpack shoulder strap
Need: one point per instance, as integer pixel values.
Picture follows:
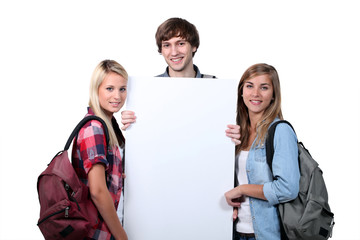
(81, 124)
(269, 142)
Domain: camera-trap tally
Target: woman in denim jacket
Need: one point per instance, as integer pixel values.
(259, 190)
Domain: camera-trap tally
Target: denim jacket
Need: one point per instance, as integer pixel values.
(280, 186)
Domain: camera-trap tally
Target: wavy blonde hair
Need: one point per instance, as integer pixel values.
(101, 71)
(270, 113)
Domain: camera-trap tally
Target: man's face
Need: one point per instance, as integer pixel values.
(177, 53)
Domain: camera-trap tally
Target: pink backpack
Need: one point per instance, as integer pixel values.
(66, 209)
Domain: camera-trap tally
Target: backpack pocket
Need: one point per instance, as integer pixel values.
(316, 223)
(64, 220)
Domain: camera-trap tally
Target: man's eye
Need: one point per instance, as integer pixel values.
(165, 45)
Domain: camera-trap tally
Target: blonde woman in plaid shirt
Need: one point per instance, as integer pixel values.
(97, 165)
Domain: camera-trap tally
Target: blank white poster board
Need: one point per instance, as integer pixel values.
(179, 162)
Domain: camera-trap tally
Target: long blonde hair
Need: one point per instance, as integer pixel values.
(102, 69)
(273, 110)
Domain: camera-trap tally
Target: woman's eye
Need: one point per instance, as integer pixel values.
(122, 89)
(109, 88)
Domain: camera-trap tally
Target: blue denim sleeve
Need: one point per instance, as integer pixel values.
(285, 185)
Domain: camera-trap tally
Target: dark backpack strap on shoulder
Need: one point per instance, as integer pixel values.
(269, 143)
(81, 124)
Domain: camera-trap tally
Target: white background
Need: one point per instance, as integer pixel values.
(48, 50)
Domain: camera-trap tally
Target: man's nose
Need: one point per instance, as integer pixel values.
(174, 50)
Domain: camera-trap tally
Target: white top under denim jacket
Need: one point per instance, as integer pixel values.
(284, 188)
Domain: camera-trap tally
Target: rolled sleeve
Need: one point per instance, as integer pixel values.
(92, 144)
(285, 185)
(269, 194)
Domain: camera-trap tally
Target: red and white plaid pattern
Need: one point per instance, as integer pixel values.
(88, 150)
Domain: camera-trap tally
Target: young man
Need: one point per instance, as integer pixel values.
(178, 41)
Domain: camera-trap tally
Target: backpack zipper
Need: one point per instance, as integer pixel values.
(71, 196)
(66, 210)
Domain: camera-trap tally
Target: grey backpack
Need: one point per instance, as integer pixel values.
(308, 216)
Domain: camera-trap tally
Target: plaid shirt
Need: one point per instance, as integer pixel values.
(88, 150)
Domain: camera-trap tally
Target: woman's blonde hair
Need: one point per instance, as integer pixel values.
(273, 110)
(102, 69)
